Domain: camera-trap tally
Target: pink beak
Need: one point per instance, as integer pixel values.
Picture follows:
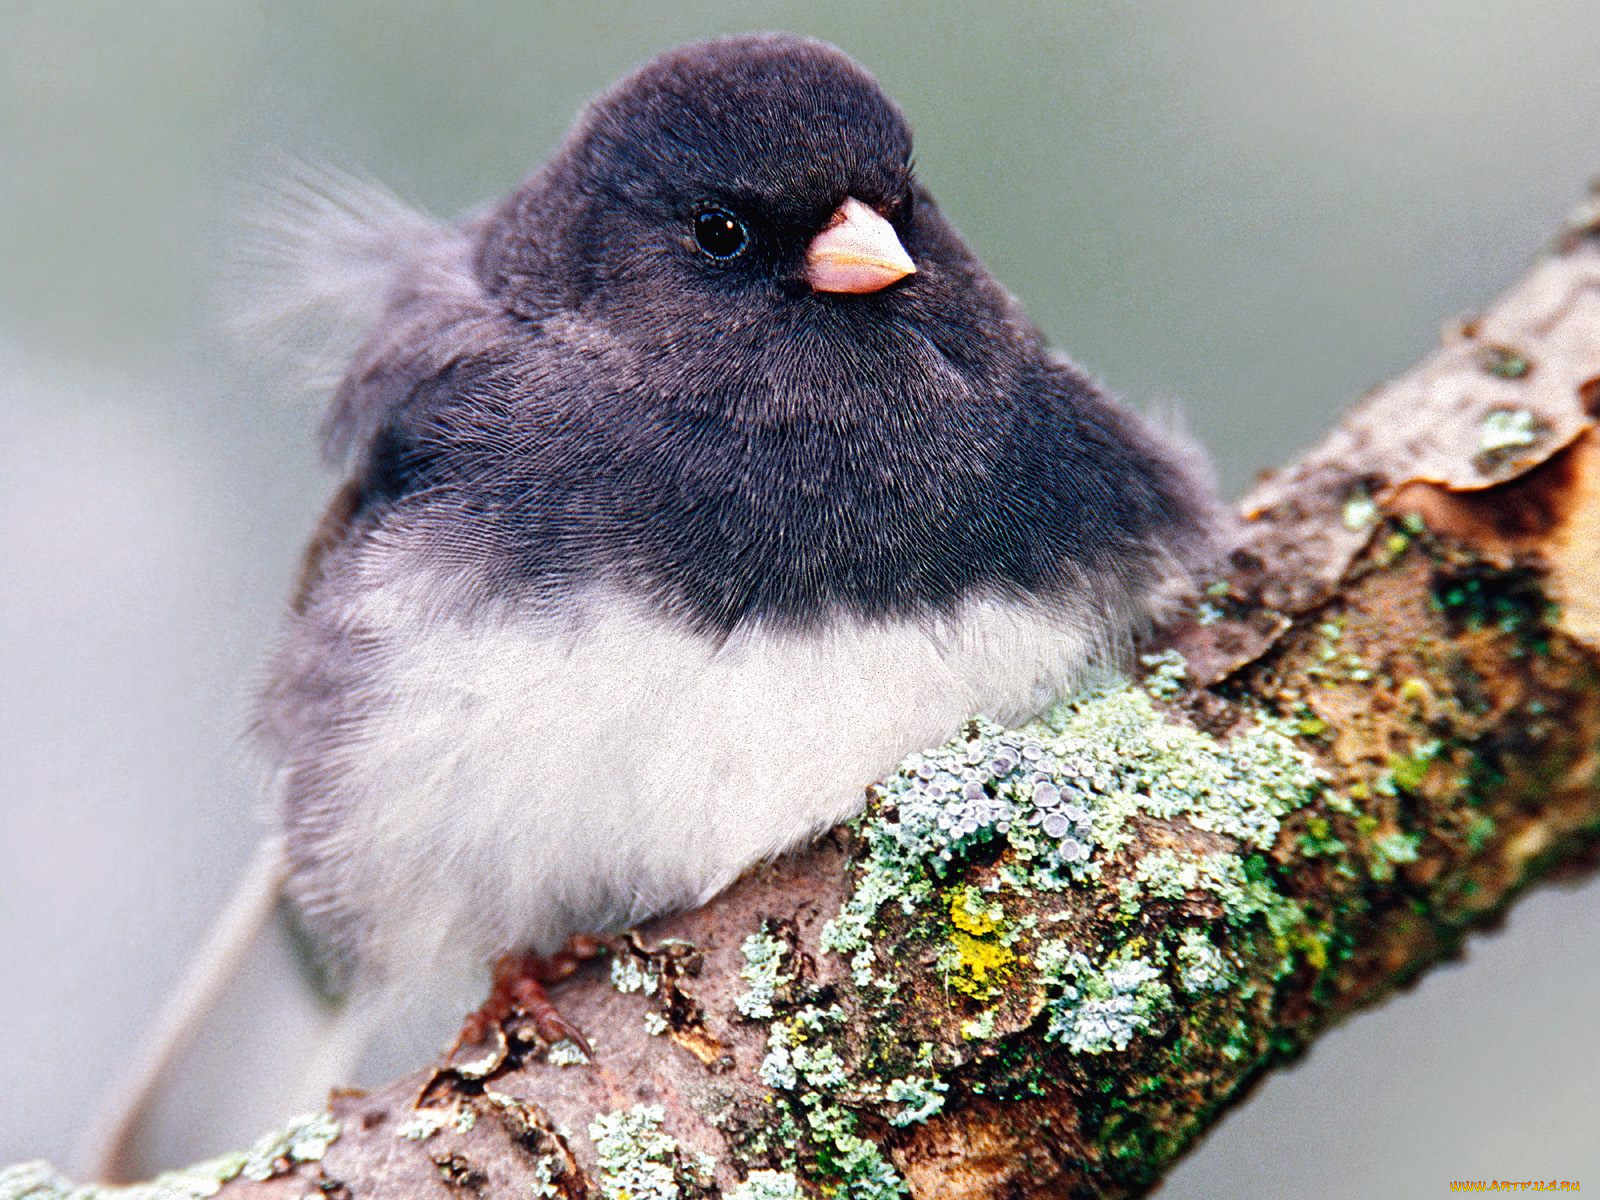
(857, 253)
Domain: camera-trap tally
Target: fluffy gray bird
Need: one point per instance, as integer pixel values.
(688, 489)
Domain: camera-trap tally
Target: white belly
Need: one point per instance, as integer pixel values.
(523, 777)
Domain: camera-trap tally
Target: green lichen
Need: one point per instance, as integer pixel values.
(763, 971)
(627, 975)
(1396, 543)
(566, 1053)
(1094, 1009)
(1506, 429)
(1242, 886)
(921, 1095)
(1201, 966)
(1503, 362)
(963, 848)
(1480, 596)
(1479, 832)
(427, 1122)
(1360, 510)
(1311, 727)
(1333, 664)
(638, 1159)
(805, 1066)
(305, 1139)
(1317, 839)
(768, 1185)
(856, 1164)
(1058, 799)
(1391, 850)
(1407, 771)
(1166, 673)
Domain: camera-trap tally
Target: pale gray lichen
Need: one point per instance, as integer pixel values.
(305, 1139)
(1201, 966)
(1166, 673)
(981, 1027)
(628, 976)
(768, 1185)
(655, 1024)
(777, 1067)
(638, 1159)
(483, 1067)
(763, 971)
(794, 1059)
(1360, 510)
(41, 1181)
(1506, 429)
(425, 1123)
(545, 1177)
(566, 1053)
(1093, 1010)
(38, 1180)
(921, 1095)
(421, 1126)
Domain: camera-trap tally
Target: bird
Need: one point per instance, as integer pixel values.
(685, 491)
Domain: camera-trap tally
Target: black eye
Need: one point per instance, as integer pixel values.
(720, 234)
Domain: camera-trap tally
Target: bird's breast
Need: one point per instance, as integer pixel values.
(537, 773)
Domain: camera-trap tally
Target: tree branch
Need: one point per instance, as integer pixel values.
(1047, 959)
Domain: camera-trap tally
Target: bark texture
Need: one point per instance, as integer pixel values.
(1047, 959)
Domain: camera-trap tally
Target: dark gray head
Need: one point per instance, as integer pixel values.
(692, 208)
(770, 132)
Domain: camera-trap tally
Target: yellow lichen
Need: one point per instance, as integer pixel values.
(979, 956)
(980, 964)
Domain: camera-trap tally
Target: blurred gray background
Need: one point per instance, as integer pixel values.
(1256, 209)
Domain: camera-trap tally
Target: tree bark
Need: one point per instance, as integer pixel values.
(1047, 959)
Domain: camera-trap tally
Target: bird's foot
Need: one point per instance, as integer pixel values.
(519, 986)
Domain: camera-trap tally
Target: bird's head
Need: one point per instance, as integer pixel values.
(743, 205)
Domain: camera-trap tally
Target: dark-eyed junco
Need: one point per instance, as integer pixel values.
(689, 489)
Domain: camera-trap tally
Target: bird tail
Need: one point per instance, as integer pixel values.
(212, 1074)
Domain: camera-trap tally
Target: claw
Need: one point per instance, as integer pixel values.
(531, 998)
(519, 986)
